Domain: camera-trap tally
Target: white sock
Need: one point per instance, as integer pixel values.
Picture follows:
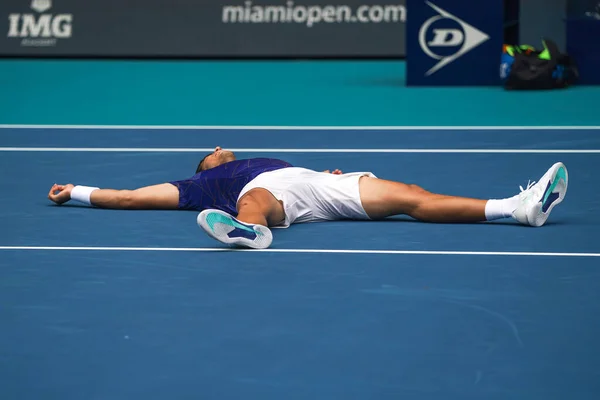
(504, 208)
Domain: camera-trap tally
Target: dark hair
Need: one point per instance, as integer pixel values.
(200, 166)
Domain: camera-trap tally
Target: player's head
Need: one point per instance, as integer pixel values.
(214, 159)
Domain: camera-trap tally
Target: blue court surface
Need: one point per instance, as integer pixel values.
(102, 304)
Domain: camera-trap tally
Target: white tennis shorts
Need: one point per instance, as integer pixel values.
(311, 196)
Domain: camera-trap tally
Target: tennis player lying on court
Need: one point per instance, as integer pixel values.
(240, 200)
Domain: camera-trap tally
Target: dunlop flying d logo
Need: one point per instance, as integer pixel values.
(445, 37)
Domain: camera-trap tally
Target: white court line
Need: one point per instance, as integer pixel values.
(305, 251)
(303, 128)
(258, 150)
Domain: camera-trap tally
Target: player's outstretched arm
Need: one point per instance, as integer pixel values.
(158, 197)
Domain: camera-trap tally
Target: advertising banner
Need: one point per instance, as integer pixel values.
(451, 42)
(203, 28)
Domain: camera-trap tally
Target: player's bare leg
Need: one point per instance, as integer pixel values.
(381, 198)
(259, 206)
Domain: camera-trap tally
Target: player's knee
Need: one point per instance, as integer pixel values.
(419, 197)
(262, 202)
(248, 201)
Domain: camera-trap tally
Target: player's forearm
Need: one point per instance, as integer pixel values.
(110, 198)
(164, 196)
(102, 198)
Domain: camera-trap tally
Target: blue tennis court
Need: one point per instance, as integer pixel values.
(101, 304)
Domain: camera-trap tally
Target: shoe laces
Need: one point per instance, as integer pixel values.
(529, 186)
(532, 191)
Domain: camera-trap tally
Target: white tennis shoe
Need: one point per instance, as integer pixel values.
(226, 229)
(538, 199)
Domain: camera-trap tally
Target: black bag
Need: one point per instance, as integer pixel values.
(545, 69)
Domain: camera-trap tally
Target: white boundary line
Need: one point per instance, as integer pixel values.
(309, 251)
(259, 150)
(303, 128)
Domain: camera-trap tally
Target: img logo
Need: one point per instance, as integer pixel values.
(40, 30)
(445, 37)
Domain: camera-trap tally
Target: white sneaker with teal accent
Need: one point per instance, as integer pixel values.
(538, 199)
(226, 229)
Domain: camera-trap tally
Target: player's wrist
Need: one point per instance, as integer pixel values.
(82, 194)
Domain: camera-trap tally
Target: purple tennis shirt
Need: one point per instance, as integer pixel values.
(219, 187)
